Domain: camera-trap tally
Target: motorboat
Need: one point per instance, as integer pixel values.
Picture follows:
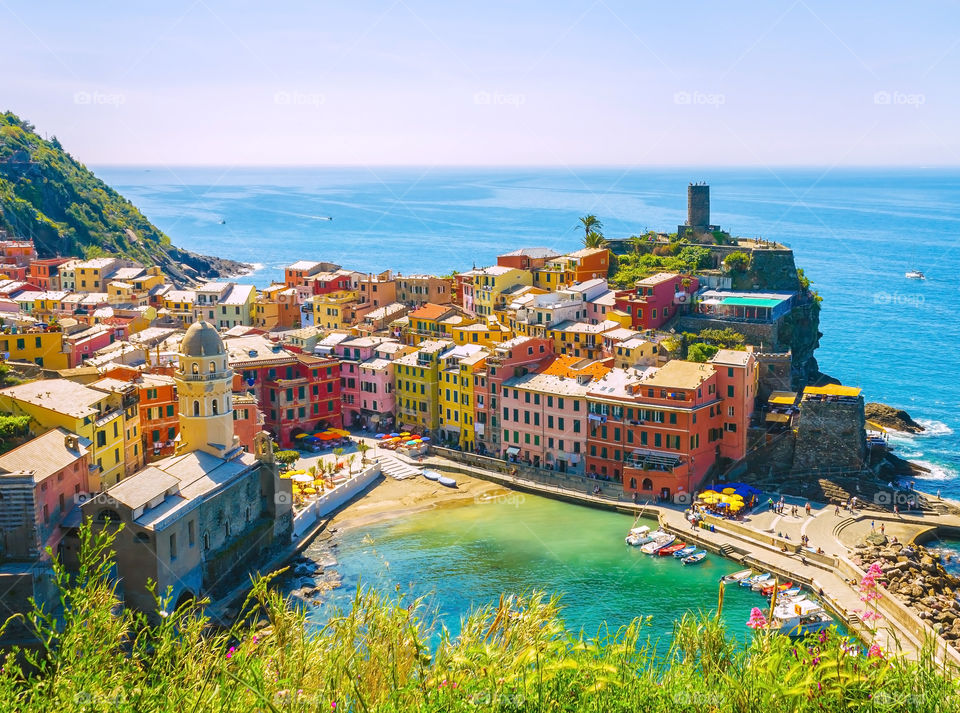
(638, 536)
(447, 481)
(755, 579)
(685, 552)
(695, 558)
(789, 593)
(670, 549)
(737, 577)
(915, 275)
(800, 618)
(658, 543)
(431, 475)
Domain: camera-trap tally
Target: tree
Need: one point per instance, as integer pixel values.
(737, 261)
(701, 352)
(287, 457)
(12, 430)
(594, 240)
(636, 244)
(362, 449)
(591, 224)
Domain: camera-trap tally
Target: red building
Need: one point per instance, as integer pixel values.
(526, 258)
(44, 273)
(159, 408)
(296, 393)
(661, 435)
(656, 299)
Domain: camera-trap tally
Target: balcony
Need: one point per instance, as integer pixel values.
(209, 376)
(653, 460)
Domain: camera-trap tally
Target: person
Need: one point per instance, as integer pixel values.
(896, 510)
(872, 526)
(807, 507)
(836, 510)
(883, 528)
(938, 494)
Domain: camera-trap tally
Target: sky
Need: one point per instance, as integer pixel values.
(512, 82)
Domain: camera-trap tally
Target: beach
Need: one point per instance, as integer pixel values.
(389, 499)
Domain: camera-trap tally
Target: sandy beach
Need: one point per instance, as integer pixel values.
(388, 499)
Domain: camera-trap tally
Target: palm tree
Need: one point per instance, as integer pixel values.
(591, 224)
(594, 240)
(362, 449)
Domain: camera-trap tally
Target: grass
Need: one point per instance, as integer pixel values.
(516, 655)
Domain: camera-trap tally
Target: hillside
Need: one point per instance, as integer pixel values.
(47, 195)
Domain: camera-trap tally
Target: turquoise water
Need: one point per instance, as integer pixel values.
(855, 232)
(466, 556)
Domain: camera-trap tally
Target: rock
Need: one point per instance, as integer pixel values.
(876, 539)
(890, 417)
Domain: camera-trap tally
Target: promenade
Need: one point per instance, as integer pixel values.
(765, 541)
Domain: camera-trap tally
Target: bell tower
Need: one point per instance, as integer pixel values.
(204, 387)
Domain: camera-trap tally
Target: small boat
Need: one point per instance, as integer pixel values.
(651, 548)
(638, 536)
(755, 580)
(736, 576)
(915, 275)
(695, 558)
(767, 591)
(446, 481)
(670, 549)
(800, 618)
(222, 221)
(789, 593)
(431, 475)
(685, 552)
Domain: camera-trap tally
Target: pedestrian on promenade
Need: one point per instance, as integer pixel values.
(872, 527)
(896, 510)
(807, 508)
(883, 528)
(836, 510)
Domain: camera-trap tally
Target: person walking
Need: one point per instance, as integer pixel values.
(807, 508)
(883, 528)
(836, 510)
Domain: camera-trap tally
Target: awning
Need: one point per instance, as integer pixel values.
(873, 426)
(778, 418)
(513, 451)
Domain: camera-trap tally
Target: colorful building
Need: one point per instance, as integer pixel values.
(422, 289)
(416, 377)
(656, 299)
(43, 347)
(490, 284)
(456, 394)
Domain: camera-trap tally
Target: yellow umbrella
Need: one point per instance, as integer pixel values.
(404, 433)
(709, 492)
(729, 491)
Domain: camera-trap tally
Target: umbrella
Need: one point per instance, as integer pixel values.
(709, 492)
(301, 435)
(394, 435)
(729, 491)
(411, 443)
(302, 478)
(380, 435)
(425, 439)
(405, 433)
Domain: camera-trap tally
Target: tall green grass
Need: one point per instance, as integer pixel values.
(387, 654)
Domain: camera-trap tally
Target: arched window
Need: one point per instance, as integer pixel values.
(196, 408)
(227, 400)
(206, 541)
(196, 368)
(215, 407)
(633, 483)
(647, 484)
(212, 367)
(108, 514)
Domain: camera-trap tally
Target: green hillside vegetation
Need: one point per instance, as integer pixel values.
(384, 654)
(673, 257)
(50, 197)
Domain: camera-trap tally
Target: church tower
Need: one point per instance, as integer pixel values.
(204, 387)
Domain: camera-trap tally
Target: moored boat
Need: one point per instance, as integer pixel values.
(670, 549)
(638, 536)
(447, 481)
(767, 590)
(431, 475)
(800, 618)
(685, 552)
(664, 540)
(737, 576)
(695, 558)
(757, 580)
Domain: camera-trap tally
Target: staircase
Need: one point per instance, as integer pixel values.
(728, 550)
(397, 469)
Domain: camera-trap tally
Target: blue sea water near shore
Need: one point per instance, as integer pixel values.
(854, 232)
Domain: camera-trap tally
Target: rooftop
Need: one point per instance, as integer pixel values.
(731, 357)
(60, 395)
(680, 374)
(430, 311)
(548, 383)
(44, 455)
(657, 279)
(536, 253)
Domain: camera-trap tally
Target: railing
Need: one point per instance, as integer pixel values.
(209, 376)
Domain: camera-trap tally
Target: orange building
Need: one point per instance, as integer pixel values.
(159, 409)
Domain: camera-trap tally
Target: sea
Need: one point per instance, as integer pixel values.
(855, 233)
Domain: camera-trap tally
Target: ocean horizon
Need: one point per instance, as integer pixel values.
(854, 231)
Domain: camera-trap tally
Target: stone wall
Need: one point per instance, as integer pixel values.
(774, 372)
(830, 434)
(757, 333)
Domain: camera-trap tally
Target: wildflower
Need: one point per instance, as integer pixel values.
(333, 705)
(875, 652)
(757, 619)
(163, 613)
(230, 651)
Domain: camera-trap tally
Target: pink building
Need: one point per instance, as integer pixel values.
(82, 345)
(39, 484)
(366, 378)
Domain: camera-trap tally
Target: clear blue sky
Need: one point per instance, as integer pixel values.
(493, 82)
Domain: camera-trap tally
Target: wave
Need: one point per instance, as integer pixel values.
(934, 428)
(937, 472)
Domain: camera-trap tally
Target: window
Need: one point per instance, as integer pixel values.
(216, 407)
(173, 546)
(196, 408)
(730, 391)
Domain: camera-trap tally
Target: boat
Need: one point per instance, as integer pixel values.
(800, 618)
(695, 558)
(670, 549)
(638, 536)
(736, 576)
(431, 475)
(685, 552)
(789, 593)
(651, 548)
(447, 481)
(767, 590)
(223, 222)
(915, 275)
(756, 579)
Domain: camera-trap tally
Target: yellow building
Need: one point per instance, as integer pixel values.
(93, 275)
(334, 309)
(432, 322)
(100, 416)
(180, 303)
(484, 335)
(37, 347)
(579, 339)
(490, 283)
(456, 394)
(416, 378)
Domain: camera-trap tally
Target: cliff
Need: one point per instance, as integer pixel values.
(48, 196)
(893, 418)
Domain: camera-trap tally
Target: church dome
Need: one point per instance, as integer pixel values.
(202, 339)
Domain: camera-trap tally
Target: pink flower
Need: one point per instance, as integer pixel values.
(757, 619)
(875, 652)
(230, 651)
